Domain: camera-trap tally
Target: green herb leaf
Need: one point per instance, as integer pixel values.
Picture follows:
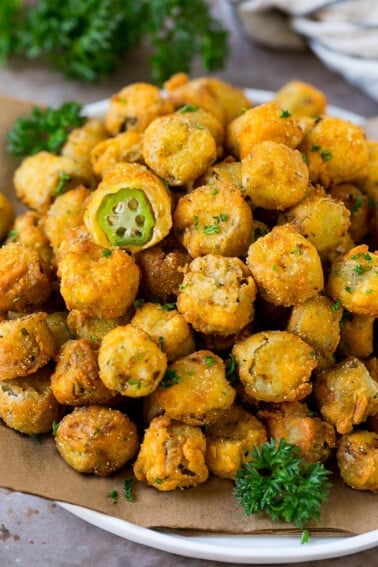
(170, 378)
(128, 490)
(113, 495)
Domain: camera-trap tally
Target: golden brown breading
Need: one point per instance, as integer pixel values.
(275, 366)
(295, 423)
(26, 344)
(75, 380)
(24, 278)
(213, 219)
(123, 147)
(358, 205)
(167, 328)
(346, 394)
(217, 295)
(57, 323)
(131, 362)
(301, 99)
(172, 455)
(29, 229)
(274, 176)
(228, 171)
(336, 151)
(83, 326)
(357, 459)
(99, 282)
(81, 141)
(28, 404)
(7, 215)
(230, 440)
(353, 281)
(286, 266)
(43, 176)
(357, 335)
(195, 389)
(96, 440)
(370, 184)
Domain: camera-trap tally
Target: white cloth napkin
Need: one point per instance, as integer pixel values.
(342, 33)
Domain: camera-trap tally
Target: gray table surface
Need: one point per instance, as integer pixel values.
(36, 532)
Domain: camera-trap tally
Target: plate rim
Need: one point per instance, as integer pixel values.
(197, 546)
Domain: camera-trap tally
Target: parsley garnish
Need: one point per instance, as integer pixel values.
(212, 228)
(357, 204)
(168, 306)
(106, 253)
(63, 178)
(188, 108)
(232, 369)
(285, 114)
(170, 378)
(113, 495)
(209, 361)
(128, 490)
(325, 155)
(336, 306)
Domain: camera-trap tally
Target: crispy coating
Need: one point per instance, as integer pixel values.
(202, 118)
(301, 99)
(28, 404)
(83, 326)
(230, 439)
(134, 107)
(133, 177)
(57, 323)
(172, 455)
(123, 147)
(357, 459)
(336, 151)
(317, 322)
(130, 362)
(7, 215)
(228, 171)
(24, 278)
(295, 423)
(357, 336)
(217, 295)
(353, 281)
(167, 328)
(220, 98)
(286, 266)
(29, 229)
(346, 394)
(195, 389)
(213, 219)
(275, 366)
(43, 176)
(65, 213)
(26, 344)
(178, 150)
(96, 440)
(370, 184)
(260, 123)
(100, 284)
(75, 380)
(81, 141)
(358, 205)
(323, 220)
(274, 176)
(162, 271)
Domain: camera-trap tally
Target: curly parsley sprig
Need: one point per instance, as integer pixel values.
(278, 481)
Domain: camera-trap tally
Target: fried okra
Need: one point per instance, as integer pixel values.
(65, 213)
(275, 366)
(75, 380)
(131, 208)
(134, 107)
(6, 216)
(357, 459)
(83, 326)
(24, 278)
(220, 98)
(358, 205)
(172, 455)
(81, 141)
(57, 323)
(123, 147)
(286, 266)
(167, 328)
(217, 295)
(100, 282)
(260, 123)
(230, 440)
(301, 99)
(195, 389)
(201, 118)
(43, 176)
(294, 422)
(29, 228)
(317, 321)
(178, 150)
(353, 281)
(26, 344)
(228, 171)
(346, 394)
(96, 440)
(274, 176)
(356, 335)
(28, 404)
(213, 219)
(131, 362)
(370, 184)
(336, 151)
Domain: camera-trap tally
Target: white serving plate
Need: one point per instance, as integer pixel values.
(231, 548)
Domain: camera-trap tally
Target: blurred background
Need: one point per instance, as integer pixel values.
(270, 43)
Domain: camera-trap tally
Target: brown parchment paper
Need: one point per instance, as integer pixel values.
(36, 468)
